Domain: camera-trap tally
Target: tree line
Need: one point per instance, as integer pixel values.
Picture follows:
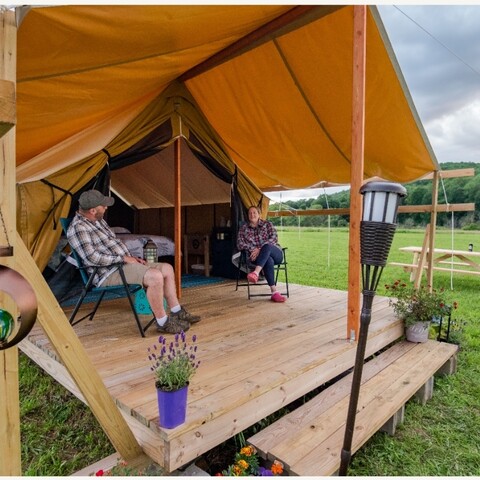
(451, 190)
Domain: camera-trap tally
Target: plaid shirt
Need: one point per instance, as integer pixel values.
(250, 237)
(96, 244)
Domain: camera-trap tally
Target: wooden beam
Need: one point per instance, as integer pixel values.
(10, 464)
(461, 172)
(178, 219)
(275, 27)
(357, 167)
(454, 207)
(70, 350)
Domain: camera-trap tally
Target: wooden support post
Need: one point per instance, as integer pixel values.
(178, 220)
(433, 226)
(422, 258)
(356, 177)
(10, 463)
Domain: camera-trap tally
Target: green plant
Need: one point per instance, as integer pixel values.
(175, 364)
(417, 305)
(246, 464)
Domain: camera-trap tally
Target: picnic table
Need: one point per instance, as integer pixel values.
(444, 259)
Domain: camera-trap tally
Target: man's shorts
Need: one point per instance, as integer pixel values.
(134, 273)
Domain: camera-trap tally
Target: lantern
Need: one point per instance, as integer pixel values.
(380, 206)
(150, 252)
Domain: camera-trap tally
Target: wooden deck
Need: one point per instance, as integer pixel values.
(256, 357)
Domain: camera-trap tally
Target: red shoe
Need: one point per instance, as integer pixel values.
(277, 297)
(252, 277)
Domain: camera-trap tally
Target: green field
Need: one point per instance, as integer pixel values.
(61, 436)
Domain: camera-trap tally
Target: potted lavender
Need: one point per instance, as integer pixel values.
(174, 363)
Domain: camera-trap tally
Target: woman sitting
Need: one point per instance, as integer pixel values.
(259, 239)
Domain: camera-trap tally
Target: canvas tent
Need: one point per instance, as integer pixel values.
(262, 92)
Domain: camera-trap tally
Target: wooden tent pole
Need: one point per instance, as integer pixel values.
(10, 463)
(356, 176)
(433, 226)
(178, 220)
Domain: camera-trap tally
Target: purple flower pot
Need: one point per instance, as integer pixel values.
(172, 407)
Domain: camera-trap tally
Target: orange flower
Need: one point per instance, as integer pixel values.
(277, 467)
(242, 464)
(237, 470)
(248, 451)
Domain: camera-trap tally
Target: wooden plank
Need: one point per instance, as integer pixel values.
(459, 172)
(410, 266)
(452, 207)
(381, 406)
(52, 367)
(446, 251)
(296, 451)
(7, 106)
(9, 387)
(280, 431)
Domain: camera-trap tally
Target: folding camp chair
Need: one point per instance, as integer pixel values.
(245, 265)
(118, 290)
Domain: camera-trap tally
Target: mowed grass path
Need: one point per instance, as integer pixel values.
(60, 434)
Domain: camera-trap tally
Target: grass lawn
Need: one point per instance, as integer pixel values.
(61, 436)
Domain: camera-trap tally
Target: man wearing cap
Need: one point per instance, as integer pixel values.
(92, 238)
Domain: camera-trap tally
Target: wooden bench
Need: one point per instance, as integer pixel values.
(409, 267)
(308, 441)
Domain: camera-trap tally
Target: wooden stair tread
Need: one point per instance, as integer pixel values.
(309, 440)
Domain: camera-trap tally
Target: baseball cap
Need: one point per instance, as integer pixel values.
(94, 198)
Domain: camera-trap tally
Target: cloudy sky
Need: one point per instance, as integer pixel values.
(438, 49)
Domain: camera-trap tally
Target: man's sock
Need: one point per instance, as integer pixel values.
(161, 321)
(176, 309)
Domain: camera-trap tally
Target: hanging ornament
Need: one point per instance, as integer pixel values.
(6, 325)
(13, 284)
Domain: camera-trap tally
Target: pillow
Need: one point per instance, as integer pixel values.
(120, 230)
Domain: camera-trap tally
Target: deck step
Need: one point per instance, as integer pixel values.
(308, 441)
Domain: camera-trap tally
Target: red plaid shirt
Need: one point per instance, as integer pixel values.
(250, 237)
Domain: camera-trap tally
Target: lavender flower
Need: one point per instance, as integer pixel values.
(173, 365)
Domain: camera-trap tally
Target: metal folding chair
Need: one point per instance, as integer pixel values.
(117, 290)
(244, 265)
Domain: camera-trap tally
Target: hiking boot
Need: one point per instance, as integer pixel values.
(185, 316)
(174, 324)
